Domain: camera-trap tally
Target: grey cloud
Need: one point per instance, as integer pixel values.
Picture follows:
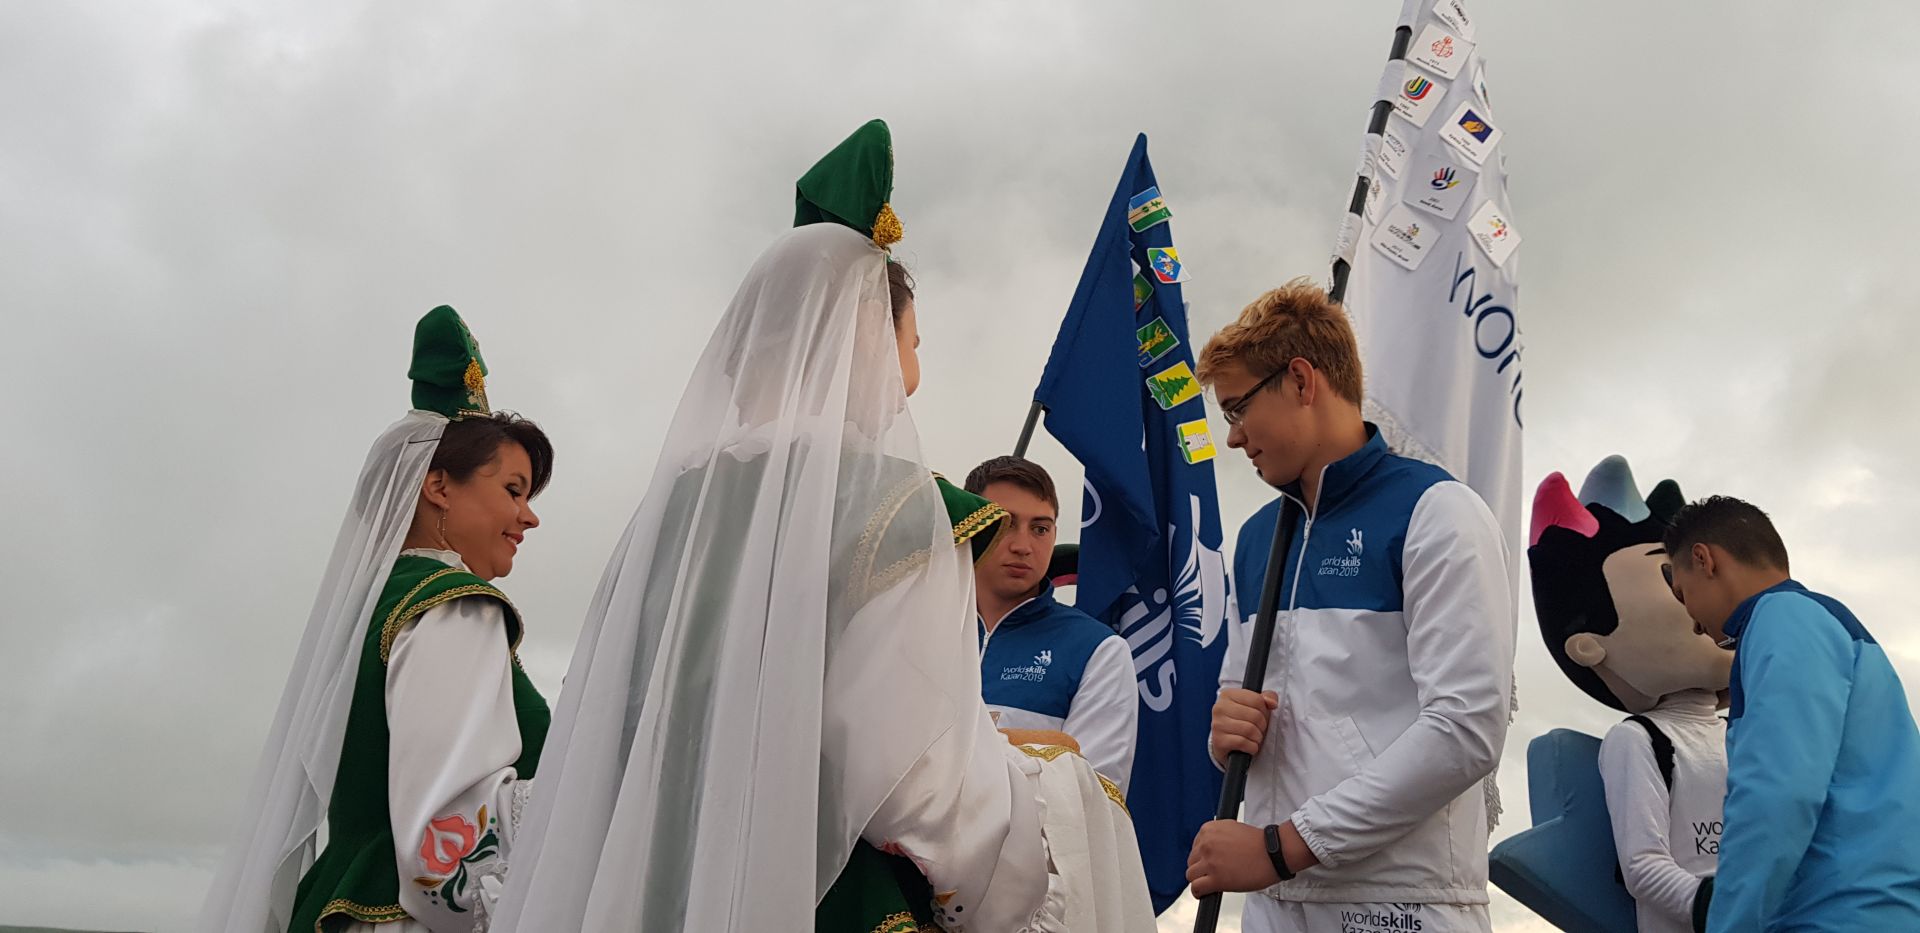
(219, 221)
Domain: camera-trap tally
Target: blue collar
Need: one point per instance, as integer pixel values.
(1034, 608)
(1737, 622)
(1343, 475)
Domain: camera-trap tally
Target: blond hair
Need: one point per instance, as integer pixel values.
(1296, 319)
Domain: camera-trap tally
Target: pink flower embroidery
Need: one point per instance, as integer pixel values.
(448, 839)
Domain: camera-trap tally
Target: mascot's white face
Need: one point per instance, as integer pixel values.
(1655, 650)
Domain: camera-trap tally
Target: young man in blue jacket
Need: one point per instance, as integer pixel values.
(1044, 665)
(1823, 780)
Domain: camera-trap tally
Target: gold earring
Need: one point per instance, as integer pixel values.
(444, 544)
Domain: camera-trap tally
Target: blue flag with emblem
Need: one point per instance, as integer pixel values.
(1122, 397)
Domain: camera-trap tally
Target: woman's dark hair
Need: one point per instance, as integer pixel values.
(471, 443)
(899, 287)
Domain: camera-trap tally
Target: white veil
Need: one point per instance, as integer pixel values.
(782, 633)
(275, 844)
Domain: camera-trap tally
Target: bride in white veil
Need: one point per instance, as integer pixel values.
(781, 661)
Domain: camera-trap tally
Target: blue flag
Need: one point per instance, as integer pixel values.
(1122, 397)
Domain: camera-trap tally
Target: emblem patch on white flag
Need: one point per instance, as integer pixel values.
(1472, 133)
(1440, 186)
(1394, 149)
(1493, 233)
(1404, 238)
(1454, 14)
(1419, 97)
(1440, 52)
(1376, 199)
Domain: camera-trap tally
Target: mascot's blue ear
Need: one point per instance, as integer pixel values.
(1564, 868)
(1611, 484)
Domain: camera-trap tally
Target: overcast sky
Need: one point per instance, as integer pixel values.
(219, 221)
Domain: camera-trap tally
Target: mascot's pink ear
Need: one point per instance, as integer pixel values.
(1555, 506)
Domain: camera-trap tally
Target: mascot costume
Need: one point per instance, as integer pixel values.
(1627, 829)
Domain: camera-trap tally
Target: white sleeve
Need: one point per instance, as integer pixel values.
(968, 816)
(1460, 633)
(1640, 808)
(1105, 715)
(453, 738)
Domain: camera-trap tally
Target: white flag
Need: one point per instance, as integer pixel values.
(1432, 285)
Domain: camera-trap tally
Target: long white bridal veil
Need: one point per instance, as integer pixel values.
(700, 770)
(275, 842)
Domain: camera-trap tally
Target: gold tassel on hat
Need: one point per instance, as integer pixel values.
(887, 229)
(476, 387)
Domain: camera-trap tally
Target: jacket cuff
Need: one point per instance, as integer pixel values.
(1315, 842)
(1702, 898)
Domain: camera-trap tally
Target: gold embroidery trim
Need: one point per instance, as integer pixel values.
(406, 611)
(391, 628)
(1113, 793)
(986, 517)
(360, 912)
(1050, 752)
(1045, 752)
(901, 922)
(863, 579)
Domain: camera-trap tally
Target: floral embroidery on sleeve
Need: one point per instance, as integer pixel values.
(454, 850)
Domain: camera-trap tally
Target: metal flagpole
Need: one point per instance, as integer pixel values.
(1026, 431)
(1234, 789)
(1376, 125)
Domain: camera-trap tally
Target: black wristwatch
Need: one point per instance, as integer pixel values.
(1273, 852)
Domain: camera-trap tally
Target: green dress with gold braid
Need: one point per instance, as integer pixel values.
(877, 892)
(356, 878)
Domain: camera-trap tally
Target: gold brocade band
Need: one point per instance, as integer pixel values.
(901, 922)
(1050, 752)
(981, 520)
(406, 611)
(359, 912)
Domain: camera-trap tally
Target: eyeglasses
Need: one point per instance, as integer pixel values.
(1238, 410)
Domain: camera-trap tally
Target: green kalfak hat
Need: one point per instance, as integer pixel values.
(448, 374)
(851, 185)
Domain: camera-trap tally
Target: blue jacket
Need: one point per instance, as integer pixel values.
(1051, 666)
(1823, 779)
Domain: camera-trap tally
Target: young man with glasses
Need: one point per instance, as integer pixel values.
(1392, 655)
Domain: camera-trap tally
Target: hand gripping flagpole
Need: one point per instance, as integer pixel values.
(1233, 791)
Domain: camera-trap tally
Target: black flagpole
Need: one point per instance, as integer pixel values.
(1026, 431)
(1234, 789)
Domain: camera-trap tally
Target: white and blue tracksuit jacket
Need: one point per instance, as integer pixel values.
(1393, 658)
(1051, 666)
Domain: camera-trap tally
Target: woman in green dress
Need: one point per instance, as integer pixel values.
(407, 725)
